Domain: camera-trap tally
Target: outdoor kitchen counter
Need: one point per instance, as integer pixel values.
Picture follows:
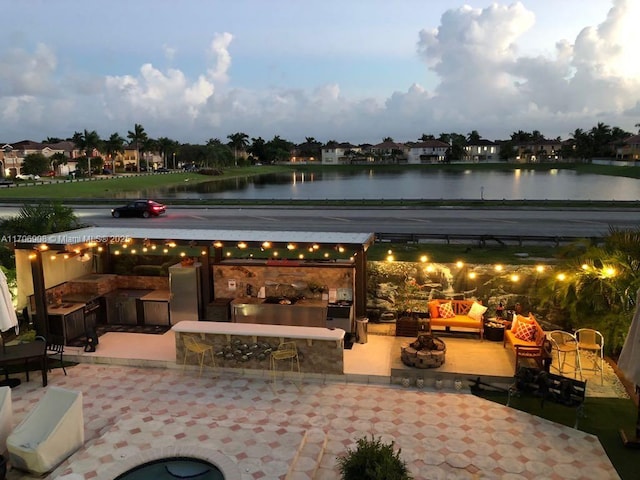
(303, 313)
(157, 296)
(320, 349)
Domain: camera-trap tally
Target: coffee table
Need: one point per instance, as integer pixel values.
(494, 330)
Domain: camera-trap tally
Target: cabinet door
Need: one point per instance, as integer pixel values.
(74, 323)
(156, 313)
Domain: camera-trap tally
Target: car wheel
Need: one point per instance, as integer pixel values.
(146, 214)
(115, 214)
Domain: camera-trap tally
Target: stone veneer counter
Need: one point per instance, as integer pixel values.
(248, 345)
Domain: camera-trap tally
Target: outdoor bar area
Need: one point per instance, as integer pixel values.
(242, 293)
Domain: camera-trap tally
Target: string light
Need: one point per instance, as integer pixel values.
(539, 269)
(217, 244)
(242, 245)
(561, 276)
(459, 264)
(291, 246)
(498, 268)
(266, 244)
(472, 275)
(424, 259)
(515, 278)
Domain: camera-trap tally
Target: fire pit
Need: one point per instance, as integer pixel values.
(426, 352)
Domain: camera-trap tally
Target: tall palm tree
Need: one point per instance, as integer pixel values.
(165, 147)
(87, 141)
(138, 136)
(239, 142)
(113, 146)
(473, 136)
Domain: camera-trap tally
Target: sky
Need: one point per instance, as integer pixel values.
(346, 70)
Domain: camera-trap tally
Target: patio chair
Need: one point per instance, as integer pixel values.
(54, 351)
(200, 349)
(50, 432)
(563, 344)
(592, 342)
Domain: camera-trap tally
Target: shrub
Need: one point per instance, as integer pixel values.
(373, 460)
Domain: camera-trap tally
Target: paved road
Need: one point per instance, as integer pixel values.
(453, 221)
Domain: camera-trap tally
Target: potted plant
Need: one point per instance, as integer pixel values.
(373, 460)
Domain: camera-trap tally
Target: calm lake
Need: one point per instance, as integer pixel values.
(413, 184)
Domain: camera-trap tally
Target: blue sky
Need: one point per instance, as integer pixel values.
(356, 70)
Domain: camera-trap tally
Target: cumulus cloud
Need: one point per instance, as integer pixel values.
(220, 49)
(483, 77)
(483, 83)
(26, 73)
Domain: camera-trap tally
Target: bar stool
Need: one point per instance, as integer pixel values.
(285, 351)
(564, 343)
(592, 342)
(191, 345)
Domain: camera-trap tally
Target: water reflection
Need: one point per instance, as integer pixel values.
(372, 184)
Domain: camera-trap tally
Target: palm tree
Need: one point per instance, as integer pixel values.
(56, 160)
(87, 142)
(165, 146)
(600, 284)
(113, 146)
(138, 136)
(238, 141)
(473, 136)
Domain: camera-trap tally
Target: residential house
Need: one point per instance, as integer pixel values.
(630, 149)
(428, 151)
(539, 151)
(13, 154)
(339, 153)
(389, 152)
(482, 150)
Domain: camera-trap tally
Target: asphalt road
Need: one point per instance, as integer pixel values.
(443, 220)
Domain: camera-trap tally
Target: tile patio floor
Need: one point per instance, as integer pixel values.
(132, 408)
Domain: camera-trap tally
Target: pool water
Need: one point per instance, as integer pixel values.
(172, 468)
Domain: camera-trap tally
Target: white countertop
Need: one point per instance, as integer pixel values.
(67, 309)
(225, 328)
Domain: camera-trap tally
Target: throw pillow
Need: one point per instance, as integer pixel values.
(525, 331)
(434, 311)
(476, 311)
(446, 310)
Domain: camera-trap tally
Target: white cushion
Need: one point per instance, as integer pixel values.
(476, 311)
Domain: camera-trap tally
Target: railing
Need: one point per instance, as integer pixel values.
(481, 240)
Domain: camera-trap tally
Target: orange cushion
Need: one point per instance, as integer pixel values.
(433, 308)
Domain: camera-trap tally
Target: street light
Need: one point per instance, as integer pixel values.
(174, 160)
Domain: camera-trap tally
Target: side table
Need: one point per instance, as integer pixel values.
(494, 330)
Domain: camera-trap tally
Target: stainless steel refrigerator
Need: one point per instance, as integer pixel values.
(186, 297)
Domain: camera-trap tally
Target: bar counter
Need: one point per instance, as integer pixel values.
(248, 346)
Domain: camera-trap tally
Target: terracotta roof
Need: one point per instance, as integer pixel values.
(481, 143)
(633, 140)
(388, 146)
(430, 144)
